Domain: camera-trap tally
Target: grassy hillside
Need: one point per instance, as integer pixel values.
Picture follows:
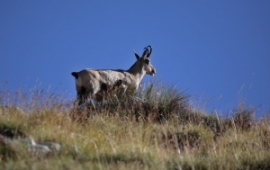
(157, 129)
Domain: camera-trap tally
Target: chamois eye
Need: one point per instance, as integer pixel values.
(146, 61)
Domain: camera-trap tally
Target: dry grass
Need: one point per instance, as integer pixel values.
(156, 130)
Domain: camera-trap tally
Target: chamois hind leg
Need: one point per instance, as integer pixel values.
(78, 113)
(81, 97)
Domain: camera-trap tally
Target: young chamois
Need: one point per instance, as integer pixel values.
(93, 83)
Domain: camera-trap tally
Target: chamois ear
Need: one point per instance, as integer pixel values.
(136, 55)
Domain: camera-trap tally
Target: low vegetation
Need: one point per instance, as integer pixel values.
(156, 129)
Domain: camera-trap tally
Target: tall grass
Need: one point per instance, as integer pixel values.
(155, 129)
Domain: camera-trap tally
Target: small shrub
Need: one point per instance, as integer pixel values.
(161, 102)
(241, 118)
(155, 102)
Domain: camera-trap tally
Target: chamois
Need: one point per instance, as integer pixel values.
(91, 83)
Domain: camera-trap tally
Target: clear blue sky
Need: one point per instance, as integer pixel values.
(217, 51)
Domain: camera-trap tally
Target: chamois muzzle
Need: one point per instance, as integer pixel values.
(153, 72)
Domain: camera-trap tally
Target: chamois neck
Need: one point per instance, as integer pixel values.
(137, 71)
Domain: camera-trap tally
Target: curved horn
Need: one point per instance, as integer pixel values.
(145, 52)
(150, 51)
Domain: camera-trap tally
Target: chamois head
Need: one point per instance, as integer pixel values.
(144, 61)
